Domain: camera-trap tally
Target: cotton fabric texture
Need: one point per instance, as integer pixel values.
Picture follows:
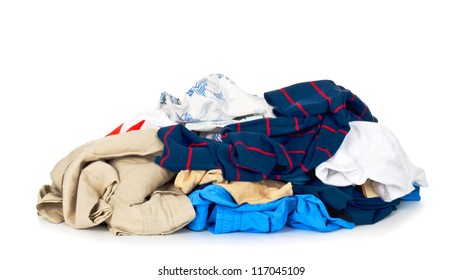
(350, 204)
(152, 118)
(309, 156)
(241, 191)
(114, 180)
(312, 121)
(371, 151)
(217, 212)
(212, 103)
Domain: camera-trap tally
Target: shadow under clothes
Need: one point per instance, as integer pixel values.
(350, 204)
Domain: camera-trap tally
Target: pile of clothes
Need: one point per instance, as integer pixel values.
(309, 156)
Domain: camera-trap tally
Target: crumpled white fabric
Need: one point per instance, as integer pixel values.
(212, 103)
(150, 118)
(370, 150)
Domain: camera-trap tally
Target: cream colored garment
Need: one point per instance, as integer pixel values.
(368, 189)
(242, 191)
(115, 180)
(140, 205)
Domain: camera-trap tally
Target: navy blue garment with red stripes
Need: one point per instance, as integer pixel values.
(311, 123)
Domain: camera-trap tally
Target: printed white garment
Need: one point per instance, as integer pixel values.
(212, 103)
(153, 118)
(371, 151)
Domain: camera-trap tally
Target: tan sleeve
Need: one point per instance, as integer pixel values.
(50, 204)
(242, 191)
(368, 189)
(257, 192)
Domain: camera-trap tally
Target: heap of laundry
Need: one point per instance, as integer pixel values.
(310, 156)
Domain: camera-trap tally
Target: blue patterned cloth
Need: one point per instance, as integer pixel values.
(217, 212)
(212, 103)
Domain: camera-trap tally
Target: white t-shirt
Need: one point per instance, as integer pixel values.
(370, 150)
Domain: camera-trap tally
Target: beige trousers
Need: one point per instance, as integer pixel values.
(115, 180)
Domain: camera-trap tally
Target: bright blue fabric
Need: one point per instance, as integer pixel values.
(413, 196)
(312, 121)
(217, 211)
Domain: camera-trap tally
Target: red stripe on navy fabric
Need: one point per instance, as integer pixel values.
(292, 102)
(364, 111)
(238, 127)
(115, 131)
(161, 163)
(201, 144)
(224, 135)
(188, 163)
(304, 168)
(304, 133)
(339, 108)
(352, 97)
(343, 131)
(268, 127)
(297, 128)
(287, 156)
(278, 177)
(287, 96)
(136, 126)
(324, 150)
(329, 128)
(250, 148)
(301, 108)
(248, 168)
(297, 152)
(319, 117)
(238, 174)
(321, 92)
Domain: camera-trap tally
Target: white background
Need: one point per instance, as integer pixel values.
(71, 71)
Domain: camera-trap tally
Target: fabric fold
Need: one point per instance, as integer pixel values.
(241, 191)
(212, 103)
(217, 212)
(349, 203)
(287, 148)
(115, 180)
(371, 151)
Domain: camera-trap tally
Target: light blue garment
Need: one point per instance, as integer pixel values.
(217, 211)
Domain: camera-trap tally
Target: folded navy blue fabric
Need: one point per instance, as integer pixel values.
(311, 123)
(217, 211)
(350, 204)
